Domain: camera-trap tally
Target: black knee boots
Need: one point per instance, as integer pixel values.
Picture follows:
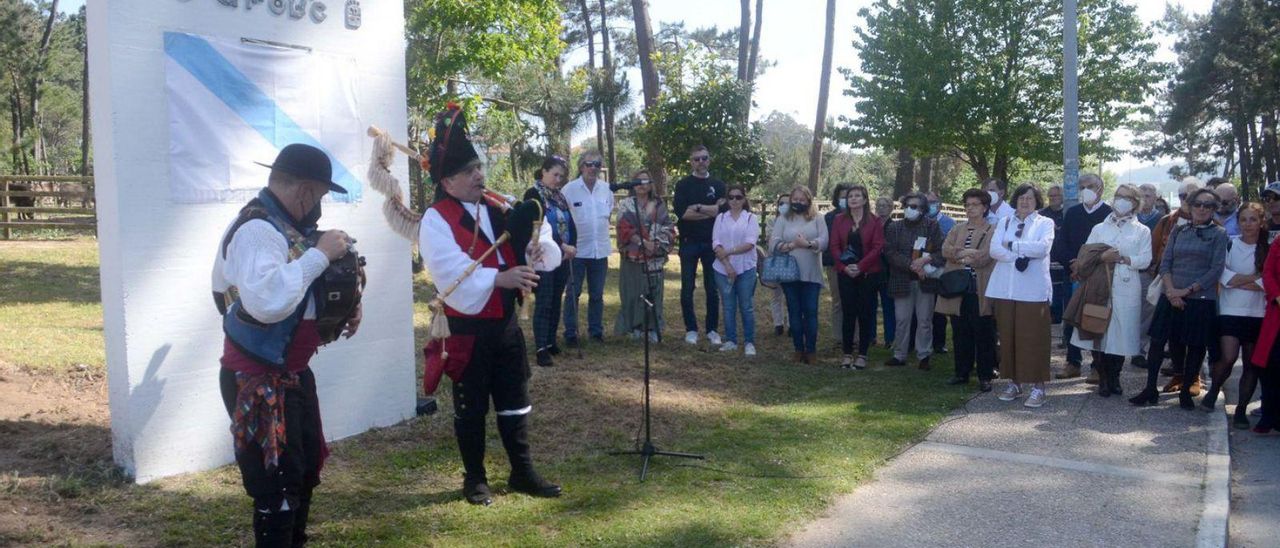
(514, 430)
(475, 484)
(273, 525)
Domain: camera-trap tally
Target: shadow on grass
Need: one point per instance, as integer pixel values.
(33, 282)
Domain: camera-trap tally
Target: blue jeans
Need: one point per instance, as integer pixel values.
(594, 271)
(692, 253)
(886, 304)
(802, 310)
(739, 295)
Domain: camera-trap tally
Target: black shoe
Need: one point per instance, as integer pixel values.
(530, 483)
(597, 338)
(572, 343)
(954, 381)
(1148, 396)
(924, 364)
(778, 330)
(477, 493)
(940, 351)
(1185, 400)
(1241, 420)
(554, 350)
(544, 358)
(894, 362)
(1138, 361)
(1209, 401)
(984, 386)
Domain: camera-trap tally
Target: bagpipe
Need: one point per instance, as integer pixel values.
(522, 220)
(344, 282)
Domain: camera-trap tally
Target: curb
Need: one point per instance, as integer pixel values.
(1212, 531)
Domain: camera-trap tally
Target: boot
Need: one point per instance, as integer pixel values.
(1113, 375)
(300, 519)
(515, 438)
(475, 483)
(272, 526)
(1184, 398)
(1175, 384)
(1102, 373)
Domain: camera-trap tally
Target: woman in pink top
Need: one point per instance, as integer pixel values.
(734, 240)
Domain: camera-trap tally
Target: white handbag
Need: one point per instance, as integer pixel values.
(1155, 290)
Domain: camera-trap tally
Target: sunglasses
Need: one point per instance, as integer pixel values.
(913, 206)
(699, 158)
(596, 163)
(737, 197)
(1205, 205)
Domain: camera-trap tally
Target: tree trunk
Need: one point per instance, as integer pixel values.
(649, 76)
(591, 62)
(1255, 166)
(754, 56)
(1001, 168)
(85, 137)
(906, 173)
(609, 114)
(38, 152)
(824, 87)
(1270, 155)
(744, 38)
(924, 175)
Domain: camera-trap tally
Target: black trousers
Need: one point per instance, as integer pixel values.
(975, 340)
(498, 370)
(857, 311)
(1269, 379)
(282, 499)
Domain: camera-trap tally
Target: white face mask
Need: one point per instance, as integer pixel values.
(1088, 196)
(911, 214)
(995, 196)
(1123, 206)
(782, 209)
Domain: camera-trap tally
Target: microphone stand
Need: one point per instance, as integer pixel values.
(647, 450)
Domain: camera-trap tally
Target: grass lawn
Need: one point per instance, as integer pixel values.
(782, 441)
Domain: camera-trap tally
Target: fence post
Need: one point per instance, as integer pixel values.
(4, 202)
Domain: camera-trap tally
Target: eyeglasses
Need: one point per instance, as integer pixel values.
(594, 163)
(737, 197)
(913, 206)
(699, 158)
(1205, 205)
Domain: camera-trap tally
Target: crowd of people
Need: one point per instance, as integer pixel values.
(1131, 281)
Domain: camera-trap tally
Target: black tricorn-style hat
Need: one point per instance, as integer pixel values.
(451, 149)
(306, 162)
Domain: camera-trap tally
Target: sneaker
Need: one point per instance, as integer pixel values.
(636, 334)
(1036, 399)
(749, 350)
(544, 358)
(713, 338)
(729, 346)
(860, 363)
(691, 337)
(846, 362)
(1011, 392)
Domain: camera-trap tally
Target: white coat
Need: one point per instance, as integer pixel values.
(1133, 240)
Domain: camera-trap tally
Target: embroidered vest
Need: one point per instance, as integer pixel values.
(267, 343)
(475, 243)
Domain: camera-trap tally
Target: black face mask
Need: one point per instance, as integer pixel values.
(800, 207)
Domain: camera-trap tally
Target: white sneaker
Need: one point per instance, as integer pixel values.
(1036, 399)
(713, 337)
(1011, 392)
(653, 337)
(729, 346)
(749, 350)
(635, 335)
(691, 337)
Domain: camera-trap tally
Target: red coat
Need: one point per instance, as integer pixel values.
(1270, 322)
(872, 233)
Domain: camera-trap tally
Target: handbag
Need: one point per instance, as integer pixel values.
(780, 267)
(1155, 290)
(1095, 318)
(955, 283)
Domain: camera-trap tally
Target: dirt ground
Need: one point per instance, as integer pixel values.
(56, 443)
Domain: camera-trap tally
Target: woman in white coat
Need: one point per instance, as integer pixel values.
(1130, 253)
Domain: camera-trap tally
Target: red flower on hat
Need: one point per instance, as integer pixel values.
(424, 161)
(452, 106)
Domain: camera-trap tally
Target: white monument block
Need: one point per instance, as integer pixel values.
(163, 334)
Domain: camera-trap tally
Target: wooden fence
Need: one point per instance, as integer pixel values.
(32, 202)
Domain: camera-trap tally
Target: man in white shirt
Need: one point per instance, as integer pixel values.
(998, 189)
(265, 277)
(591, 203)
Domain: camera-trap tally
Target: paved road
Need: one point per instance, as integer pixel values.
(1081, 471)
(1255, 483)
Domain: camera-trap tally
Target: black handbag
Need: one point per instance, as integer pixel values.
(959, 282)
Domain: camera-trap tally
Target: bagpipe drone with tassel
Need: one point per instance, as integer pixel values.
(450, 151)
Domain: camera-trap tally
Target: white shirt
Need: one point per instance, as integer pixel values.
(729, 234)
(1033, 284)
(446, 260)
(257, 264)
(1240, 302)
(1000, 212)
(591, 209)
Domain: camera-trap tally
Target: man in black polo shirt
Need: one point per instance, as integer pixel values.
(699, 198)
(1077, 223)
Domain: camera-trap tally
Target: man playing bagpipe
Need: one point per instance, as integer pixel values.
(271, 285)
(484, 351)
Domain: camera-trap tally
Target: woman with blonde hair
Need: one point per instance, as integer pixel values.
(803, 234)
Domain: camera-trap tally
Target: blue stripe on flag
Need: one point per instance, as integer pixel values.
(246, 99)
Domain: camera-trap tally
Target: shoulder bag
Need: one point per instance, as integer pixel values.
(1095, 318)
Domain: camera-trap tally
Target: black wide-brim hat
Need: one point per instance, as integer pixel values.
(306, 162)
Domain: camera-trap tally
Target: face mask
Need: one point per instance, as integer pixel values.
(1123, 206)
(911, 214)
(933, 210)
(1088, 196)
(995, 196)
(843, 203)
(782, 209)
(799, 208)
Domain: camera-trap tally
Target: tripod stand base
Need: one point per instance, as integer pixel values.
(648, 451)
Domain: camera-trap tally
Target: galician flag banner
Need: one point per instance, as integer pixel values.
(234, 103)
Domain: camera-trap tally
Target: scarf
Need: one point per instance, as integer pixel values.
(258, 416)
(557, 208)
